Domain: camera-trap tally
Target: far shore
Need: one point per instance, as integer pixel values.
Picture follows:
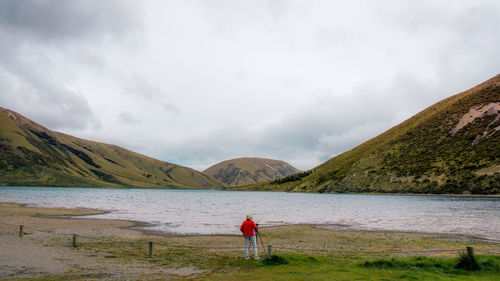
(237, 189)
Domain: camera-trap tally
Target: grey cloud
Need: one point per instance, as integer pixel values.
(472, 40)
(141, 88)
(294, 80)
(328, 37)
(128, 118)
(54, 106)
(30, 86)
(31, 72)
(69, 19)
(464, 36)
(228, 17)
(170, 107)
(318, 131)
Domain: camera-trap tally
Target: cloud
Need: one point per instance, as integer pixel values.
(63, 20)
(37, 76)
(227, 17)
(27, 88)
(326, 126)
(204, 81)
(458, 38)
(128, 118)
(142, 89)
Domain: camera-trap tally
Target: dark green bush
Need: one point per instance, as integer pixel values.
(468, 262)
(274, 260)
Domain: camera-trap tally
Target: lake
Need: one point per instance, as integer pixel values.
(222, 212)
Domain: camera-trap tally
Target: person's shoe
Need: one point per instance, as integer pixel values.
(247, 258)
(257, 258)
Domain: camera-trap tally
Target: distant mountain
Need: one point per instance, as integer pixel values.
(31, 155)
(450, 147)
(244, 171)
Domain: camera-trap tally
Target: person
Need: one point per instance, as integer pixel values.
(249, 230)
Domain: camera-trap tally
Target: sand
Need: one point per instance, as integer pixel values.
(45, 249)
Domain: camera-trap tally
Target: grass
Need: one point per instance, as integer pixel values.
(308, 267)
(230, 265)
(292, 265)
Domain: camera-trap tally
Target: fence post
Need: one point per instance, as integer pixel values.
(74, 240)
(269, 250)
(470, 251)
(21, 230)
(150, 249)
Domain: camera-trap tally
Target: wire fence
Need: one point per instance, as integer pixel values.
(114, 240)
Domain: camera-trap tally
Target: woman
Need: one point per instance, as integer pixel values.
(249, 230)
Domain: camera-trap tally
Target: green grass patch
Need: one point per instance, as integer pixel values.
(488, 264)
(285, 265)
(310, 267)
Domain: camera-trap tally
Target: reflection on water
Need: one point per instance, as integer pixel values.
(210, 212)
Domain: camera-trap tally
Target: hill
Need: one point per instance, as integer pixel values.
(451, 147)
(32, 155)
(244, 171)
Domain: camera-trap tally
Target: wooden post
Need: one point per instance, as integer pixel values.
(74, 240)
(21, 230)
(269, 250)
(470, 251)
(150, 249)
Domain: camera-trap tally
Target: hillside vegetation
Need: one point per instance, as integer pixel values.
(451, 147)
(244, 171)
(31, 155)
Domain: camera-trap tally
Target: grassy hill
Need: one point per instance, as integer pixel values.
(244, 171)
(451, 147)
(31, 155)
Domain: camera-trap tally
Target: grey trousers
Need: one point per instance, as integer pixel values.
(251, 240)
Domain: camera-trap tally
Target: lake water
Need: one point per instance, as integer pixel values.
(222, 212)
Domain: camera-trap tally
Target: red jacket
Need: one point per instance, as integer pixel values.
(247, 228)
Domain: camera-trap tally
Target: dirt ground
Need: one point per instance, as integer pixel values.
(46, 246)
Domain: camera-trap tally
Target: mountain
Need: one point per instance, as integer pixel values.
(244, 171)
(31, 155)
(451, 147)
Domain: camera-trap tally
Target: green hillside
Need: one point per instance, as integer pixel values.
(450, 147)
(31, 155)
(244, 171)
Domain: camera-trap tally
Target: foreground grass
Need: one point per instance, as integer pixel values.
(289, 265)
(307, 267)
(322, 267)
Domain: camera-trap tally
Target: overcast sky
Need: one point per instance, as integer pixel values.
(199, 82)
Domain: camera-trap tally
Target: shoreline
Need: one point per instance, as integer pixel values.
(232, 190)
(118, 249)
(140, 226)
(331, 227)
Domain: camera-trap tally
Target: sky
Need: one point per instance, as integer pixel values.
(198, 82)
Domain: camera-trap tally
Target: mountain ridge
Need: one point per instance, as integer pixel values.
(248, 170)
(34, 155)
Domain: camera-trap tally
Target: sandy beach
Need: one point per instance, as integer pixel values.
(45, 248)
(115, 249)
